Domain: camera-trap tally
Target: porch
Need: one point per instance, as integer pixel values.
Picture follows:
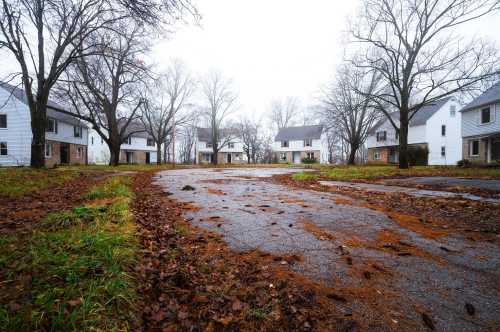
(482, 148)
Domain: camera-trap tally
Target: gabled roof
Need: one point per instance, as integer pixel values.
(490, 96)
(419, 119)
(299, 133)
(205, 134)
(51, 106)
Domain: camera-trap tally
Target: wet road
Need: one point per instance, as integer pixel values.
(362, 251)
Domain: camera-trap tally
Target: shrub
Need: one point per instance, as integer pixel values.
(307, 160)
(464, 163)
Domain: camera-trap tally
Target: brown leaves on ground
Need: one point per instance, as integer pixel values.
(428, 216)
(192, 281)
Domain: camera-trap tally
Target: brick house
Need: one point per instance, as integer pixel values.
(434, 130)
(294, 144)
(481, 127)
(66, 136)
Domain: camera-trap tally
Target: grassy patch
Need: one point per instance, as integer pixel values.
(121, 168)
(18, 181)
(79, 262)
(369, 172)
(304, 176)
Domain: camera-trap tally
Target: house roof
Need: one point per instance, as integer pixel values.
(299, 133)
(420, 118)
(205, 134)
(51, 106)
(490, 96)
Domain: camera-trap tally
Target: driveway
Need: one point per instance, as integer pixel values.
(384, 268)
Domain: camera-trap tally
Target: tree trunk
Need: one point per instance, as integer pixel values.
(158, 154)
(215, 158)
(114, 150)
(248, 158)
(352, 155)
(38, 125)
(403, 141)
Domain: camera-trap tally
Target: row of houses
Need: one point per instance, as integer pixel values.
(443, 132)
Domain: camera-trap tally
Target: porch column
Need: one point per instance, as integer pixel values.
(488, 149)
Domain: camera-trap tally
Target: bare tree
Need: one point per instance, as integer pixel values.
(284, 112)
(165, 106)
(105, 88)
(45, 37)
(220, 102)
(413, 46)
(252, 143)
(347, 108)
(187, 140)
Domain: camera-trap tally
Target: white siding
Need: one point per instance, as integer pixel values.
(297, 145)
(416, 135)
(452, 141)
(66, 133)
(471, 122)
(18, 133)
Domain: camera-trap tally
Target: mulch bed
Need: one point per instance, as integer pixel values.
(191, 281)
(474, 219)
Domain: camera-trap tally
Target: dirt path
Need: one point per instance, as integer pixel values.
(389, 269)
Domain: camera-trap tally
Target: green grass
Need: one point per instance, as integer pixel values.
(18, 181)
(79, 261)
(304, 176)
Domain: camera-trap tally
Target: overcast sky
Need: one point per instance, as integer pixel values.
(270, 48)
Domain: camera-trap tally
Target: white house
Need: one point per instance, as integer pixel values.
(231, 153)
(66, 136)
(481, 127)
(435, 128)
(138, 149)
(294, 144)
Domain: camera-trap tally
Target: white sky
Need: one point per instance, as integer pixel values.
(270, 48)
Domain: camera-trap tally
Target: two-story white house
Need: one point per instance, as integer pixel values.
(481, 127)
(230, 153)
(66, 136)
(138, 149)
(294, 144)
(434, 128)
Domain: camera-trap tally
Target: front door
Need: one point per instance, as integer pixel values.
(495, 150)
(229, 156)
(148, 158)
(130, 157)
(296, 157)
(64, 152)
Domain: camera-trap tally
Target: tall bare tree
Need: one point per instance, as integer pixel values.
(165, 106)
(414, 46)
(249, 131)
(105, 88)
(284, 113)
(45, 37)
(347, 107)
(187, 135)
(220, 100)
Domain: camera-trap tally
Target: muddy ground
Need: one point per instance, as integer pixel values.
(397, 269)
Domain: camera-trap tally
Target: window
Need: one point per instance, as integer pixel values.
(207, 157)
(310, 155)
(453, 111)
(77, 131)
(283, 156)
(150, 142)
(92, 140)
(485, 115)
(443, 130)
(102, 141)
(381, 136)
(284, 144)
(3, 121)
(308, 142)
(230, 145)
(51, 126)
(376, 155)
(129, 140)
(79, 152)
(474, 148)
(3, 149)
(443, 151)
(397, 135)
(208, 145)
(48, 150)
